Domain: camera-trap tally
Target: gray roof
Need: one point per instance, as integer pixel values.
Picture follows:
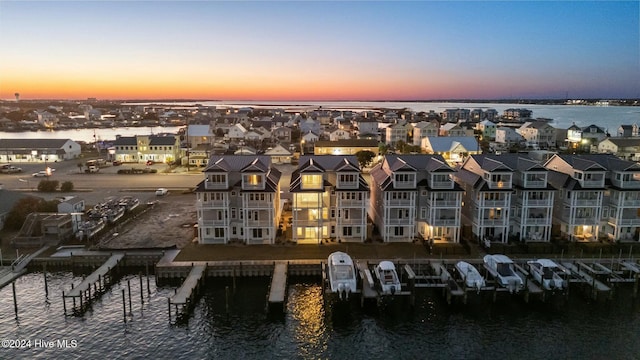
(162, 140)
(228, 163)
(446, 143)
(582, 162)
(348, 143)
(32, 144)
(126, 140)
(625, 141)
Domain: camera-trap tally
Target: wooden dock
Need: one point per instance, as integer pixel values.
(100, 279)
(183, 299)
(278, 288)
(581, 271)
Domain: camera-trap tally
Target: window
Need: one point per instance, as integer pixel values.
(233, 230)
(257, 233)
(233, 214)
(333, 213)
(312, 181)
(347, 178)
(398, 231)
(346, 214)
(423, 212)
(347, 231)
(233, 193)
(218, 232)
(253, 179)
(218, 179)
(423, 193)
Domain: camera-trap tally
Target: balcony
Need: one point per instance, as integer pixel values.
(444, 203)
(537, 221)
(493, 222)
(495, 203)
(213, 223)
(259, 204)
(404, 184)
(404, 221)
(445, 222)
(210, 185)
(352, 203)
(534, 184)
(628, 222)
(262, 223)
(448, 184)
(400, 203)
(593, 183)
(590, 203)
(213, 204)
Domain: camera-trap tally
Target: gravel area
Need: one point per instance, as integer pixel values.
(168, 223)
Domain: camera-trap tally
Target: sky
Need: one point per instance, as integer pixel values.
(325, 50)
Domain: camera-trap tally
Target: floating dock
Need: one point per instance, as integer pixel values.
(99, 280)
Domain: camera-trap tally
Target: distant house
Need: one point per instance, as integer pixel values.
(454, 149)
(454, 129)
(508, 136)
(624, 148)
(366, 126)
(38, 150)
(282, 134)
(397, 132)
(142, 148)
(279, 155)
(424, 129)
(539, 133)
(200, 134)
(237, 132)
(628, 130)
(339, 135)
(310, 137)
(488, 129)
(345, 147)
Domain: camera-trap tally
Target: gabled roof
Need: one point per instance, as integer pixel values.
(198, 130)
(256, 166)
(126, 140)
(624, 141)
(278, 150)
(448, 143)
(229, 163)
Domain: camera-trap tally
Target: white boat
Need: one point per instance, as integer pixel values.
(341, 274)
(504, 272)
(387, 278)
(547, 273)
(470, 275)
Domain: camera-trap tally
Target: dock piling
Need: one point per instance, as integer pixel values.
(124, 307)
(15, 300)
(46, 286)
(141, 292)
(129, 291)
(226, 298)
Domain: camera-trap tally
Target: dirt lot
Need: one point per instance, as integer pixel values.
(169, 222)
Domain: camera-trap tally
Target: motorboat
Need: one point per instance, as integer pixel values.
(341, 274)
(470, 275)
(388, 279)
(503, 269)
(547, 273)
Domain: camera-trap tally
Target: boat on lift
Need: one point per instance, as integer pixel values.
(547, 273)
(388, 279)
(470, 275)
(341, 275)
(502, 268)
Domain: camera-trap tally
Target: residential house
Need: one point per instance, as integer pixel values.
(488, 186)
(239, 200)
(424, 129)
(345, 147)
(366, 126)
(628, 130)
(508, 136)
(200, 134)
(517, 114)
(579, 202)
(339, 134)
(487, 129)
(237, 132)
(330, 200)
(593, 135)
(453, 148)
(71, 204)
(415, 194)
(310, 125)
(279, 155)
(397, 132)
(624, 148)
(538, 133)
(282, 134)
(454, 129)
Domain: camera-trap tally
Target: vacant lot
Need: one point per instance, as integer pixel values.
(169, 222)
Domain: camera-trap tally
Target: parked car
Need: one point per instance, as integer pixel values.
(41, 173)
(162, 192)
(11, 170)
(149, 162)
(117, 163)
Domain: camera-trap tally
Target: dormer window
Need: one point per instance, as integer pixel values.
(348, 181)
(253, 181)
(312, 181)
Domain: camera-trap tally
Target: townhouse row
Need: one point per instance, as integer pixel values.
(405, 197)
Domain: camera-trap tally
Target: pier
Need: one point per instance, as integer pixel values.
(184, 297)
(100, 279)
(278, 288)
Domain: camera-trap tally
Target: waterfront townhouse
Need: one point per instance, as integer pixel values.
(532, 204)
(621, 220)
(415, 194)
(488, 186)
(330, 200)
(579, 201)
(239, 200)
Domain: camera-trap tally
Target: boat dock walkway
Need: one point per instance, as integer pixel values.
(581, 270)
(100, 279)
(278, 288)
(184, 297)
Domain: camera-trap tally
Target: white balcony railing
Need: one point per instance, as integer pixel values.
(495, 203)
(444, 203)
(211, 204)
(633, 221)
(445, 222)
(211, 223)
(537, 221)
(404, 221)
(400, 203)
(534, 184)
(493, 222)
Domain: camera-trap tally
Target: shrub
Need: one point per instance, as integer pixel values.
(66, 186)
(48, 185)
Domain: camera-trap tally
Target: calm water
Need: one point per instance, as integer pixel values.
(309, 330)
(610, 117)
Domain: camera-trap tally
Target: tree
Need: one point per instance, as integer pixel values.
(26, 206)
(365, 157)
(383, 149)
(48, 185)
(219, 132)
(66, 186)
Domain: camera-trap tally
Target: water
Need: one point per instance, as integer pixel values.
(435, 330)
(609, 117)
